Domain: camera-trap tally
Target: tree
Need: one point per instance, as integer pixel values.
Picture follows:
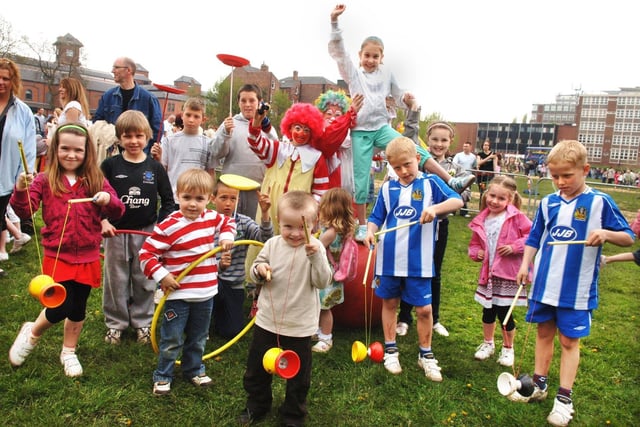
(9, 45)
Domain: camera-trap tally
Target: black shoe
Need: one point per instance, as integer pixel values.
(247, 417)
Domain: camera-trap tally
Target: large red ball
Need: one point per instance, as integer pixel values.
(351, 313)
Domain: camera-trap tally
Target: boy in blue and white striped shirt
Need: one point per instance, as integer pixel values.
(404, 261)
(566, 238)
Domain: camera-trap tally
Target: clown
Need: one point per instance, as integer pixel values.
(339, 114)
(293, 164)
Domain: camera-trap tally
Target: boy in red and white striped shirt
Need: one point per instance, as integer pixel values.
(179, 240)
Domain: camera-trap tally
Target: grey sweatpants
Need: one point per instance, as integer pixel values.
(128, 294)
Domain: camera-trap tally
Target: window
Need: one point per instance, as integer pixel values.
(28, 95)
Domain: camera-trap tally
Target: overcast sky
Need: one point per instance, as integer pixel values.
(470, 61)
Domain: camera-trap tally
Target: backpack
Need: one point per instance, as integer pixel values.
(347, 267)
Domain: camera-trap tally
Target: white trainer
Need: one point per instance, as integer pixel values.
(392, 363)
(506, 357)
(402, 328)
(431, 368)
(562, 412)
(484, 351)
(439, 329)
(72, 366)
(22, 346)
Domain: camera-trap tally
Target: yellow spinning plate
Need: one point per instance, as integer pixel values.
(239, 182)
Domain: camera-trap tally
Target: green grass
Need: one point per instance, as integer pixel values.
(116, 387)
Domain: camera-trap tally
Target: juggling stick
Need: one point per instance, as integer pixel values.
(306, 230)
(23, 157)
(366, 270)
(513, 305)
(386, 230)
(568, 242)
(84, 200)
(234, 62)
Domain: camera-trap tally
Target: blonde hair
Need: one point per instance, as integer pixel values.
(570, 151)
(507, 183)
(196, 181)
(336, 210)
(399, 146)
(133, 121)
(300, 201)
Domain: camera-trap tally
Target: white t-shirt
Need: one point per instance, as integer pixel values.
(467, 161)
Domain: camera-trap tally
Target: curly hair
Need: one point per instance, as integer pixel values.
(333, 97)
(303, 114)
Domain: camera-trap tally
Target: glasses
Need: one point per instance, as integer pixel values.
(116, 67)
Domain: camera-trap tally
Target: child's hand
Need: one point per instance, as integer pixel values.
(169, 283)
(505, 250)
(24, 180)
(228, 125)
(410, 100)
(428, 215)
(357, 101)
(480, 255)
(310, 248)
(225, 260)
(523, 275)
(337, 11)
(101, 198)
(597, 238)
(370, 240)
(263, 271)
(108, 230)
(156, 151)
(226, 245)
(265, 204)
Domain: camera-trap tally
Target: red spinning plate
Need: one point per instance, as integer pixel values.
(169, 89)
(232, 60)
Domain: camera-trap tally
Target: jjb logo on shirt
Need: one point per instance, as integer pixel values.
(404, 212)
(563, 233)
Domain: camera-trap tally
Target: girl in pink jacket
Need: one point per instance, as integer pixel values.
(499, 233)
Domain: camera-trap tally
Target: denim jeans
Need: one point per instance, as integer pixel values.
(185, 326)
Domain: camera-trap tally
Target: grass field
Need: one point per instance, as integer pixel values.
(116, 387)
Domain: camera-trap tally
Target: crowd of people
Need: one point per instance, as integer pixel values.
(313, 196)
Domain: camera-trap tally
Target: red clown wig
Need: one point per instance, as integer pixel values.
(306, 115)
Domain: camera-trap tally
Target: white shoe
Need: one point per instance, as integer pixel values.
(22, 346)
(562, 412)
(431, 368)
(4, 256)
(322, 346)
(506, 357)
(484, 351)
(402, 328)
(439, 329)
(392, 363)
(72, 366)
(19, 243)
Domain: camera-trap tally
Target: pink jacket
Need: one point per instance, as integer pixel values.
(82, 230)
(514, 232)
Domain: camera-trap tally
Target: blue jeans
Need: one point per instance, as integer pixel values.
(185, 326)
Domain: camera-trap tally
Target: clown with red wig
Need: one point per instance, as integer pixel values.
(294, 163)
(339, 113)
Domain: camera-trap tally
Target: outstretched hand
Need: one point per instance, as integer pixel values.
(337, 11)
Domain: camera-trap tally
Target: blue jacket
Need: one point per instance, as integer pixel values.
(110, 107)
(19, 126)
